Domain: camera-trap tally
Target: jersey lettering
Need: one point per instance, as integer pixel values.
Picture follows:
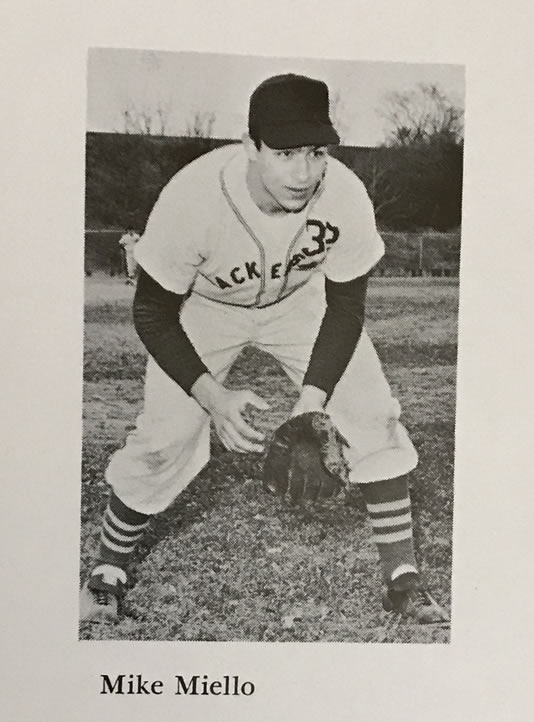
(304, 259)
(335, 234)
(294, 261)
(318, 238)
(235, 278)
(251, 269)
(221, 283)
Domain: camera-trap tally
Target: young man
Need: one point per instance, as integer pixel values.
(269, 244)
(127, 243)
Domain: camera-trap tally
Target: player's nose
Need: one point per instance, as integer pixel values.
(301, 169)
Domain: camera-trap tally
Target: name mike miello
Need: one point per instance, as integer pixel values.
(195, 685)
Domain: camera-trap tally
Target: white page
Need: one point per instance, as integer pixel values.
(483, 673)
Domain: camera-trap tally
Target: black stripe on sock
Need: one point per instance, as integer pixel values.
(124, 513)
(120, 530)
(126, 545)
(385, 514)
(378, 531)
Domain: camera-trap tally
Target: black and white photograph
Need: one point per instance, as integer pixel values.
(267, 361)
(271, 293)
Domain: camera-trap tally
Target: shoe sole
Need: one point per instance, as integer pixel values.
(404, 615)
(94, 614)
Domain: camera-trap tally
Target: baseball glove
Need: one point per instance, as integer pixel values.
(305, 459)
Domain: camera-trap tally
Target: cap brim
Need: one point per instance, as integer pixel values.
(295, 136)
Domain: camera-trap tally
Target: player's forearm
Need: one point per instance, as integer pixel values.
(156, 319)
(339, 334)
(208, 392)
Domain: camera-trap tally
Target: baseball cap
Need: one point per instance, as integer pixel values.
(288, 111)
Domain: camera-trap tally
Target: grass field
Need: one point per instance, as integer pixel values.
(226, 562)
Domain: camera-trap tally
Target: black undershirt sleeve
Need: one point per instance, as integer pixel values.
(339, 333)
(156, 319)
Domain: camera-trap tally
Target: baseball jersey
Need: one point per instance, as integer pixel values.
(206, 235)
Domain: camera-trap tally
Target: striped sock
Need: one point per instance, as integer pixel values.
(390, 514)
(122, 528)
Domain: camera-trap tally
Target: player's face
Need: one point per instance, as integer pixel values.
(283, 181)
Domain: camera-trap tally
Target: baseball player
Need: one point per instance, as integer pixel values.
(268, 243)
(127, 243)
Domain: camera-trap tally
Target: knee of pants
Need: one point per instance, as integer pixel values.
(154, 443)
(379, 445)
(148, 476)
(387, 462)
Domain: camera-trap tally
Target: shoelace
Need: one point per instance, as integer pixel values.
(416, 598)
(422, 601)
(420, 598)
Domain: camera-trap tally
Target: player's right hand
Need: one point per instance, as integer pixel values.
(234, 432)
(226, 408)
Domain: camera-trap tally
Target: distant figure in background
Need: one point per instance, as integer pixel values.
(127, 242)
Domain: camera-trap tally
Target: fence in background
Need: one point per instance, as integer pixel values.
(426, 253)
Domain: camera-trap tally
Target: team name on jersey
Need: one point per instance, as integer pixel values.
(305, 259)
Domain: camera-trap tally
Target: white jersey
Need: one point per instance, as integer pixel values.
(206, 235)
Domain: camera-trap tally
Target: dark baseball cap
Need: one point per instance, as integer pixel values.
(289, 111)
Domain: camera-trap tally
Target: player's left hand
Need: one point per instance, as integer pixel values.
(306, 459)
(311, 399)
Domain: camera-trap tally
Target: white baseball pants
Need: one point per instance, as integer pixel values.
(171, 442)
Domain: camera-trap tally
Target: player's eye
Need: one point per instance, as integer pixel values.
(319, 152)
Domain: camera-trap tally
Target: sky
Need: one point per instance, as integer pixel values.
(185, 83)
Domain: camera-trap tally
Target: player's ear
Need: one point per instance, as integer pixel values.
(249, 146)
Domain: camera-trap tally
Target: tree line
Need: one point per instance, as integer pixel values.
(411, 187)
(414, 178)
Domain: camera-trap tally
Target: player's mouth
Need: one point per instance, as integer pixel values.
(299, 192)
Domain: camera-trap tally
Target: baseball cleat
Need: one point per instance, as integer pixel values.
(405, 597)
(101, 598)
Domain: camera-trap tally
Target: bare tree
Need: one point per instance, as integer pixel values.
(154, 120)
(129, 117)
(163, 111)
(146, 120)
(424, 148)
(200, 124)
(419, 115)
(376, 174)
